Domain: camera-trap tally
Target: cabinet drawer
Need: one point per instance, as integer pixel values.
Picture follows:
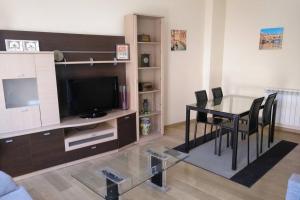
(91, 150)
(17, 66)
(15, 155)
(47, 149)
(127, 129)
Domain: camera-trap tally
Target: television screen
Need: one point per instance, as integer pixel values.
(99, 93)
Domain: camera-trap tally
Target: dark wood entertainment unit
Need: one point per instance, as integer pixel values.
(31, 151)
(69, 139)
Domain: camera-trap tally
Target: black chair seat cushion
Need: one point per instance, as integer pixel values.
(229, 125)
(260, 120)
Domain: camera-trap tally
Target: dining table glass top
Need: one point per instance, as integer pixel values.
(233, 104)
(128, 169)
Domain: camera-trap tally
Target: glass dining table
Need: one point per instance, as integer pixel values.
(232, 107)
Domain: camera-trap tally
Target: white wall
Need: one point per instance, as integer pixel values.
(247, 70)
(105, 17)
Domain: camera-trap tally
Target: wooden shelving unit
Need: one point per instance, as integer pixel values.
(150, 25)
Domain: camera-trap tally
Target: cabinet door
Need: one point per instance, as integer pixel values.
(127, 130)
(47, 149)
(15, 155)
(15, 119)
(47, 89)
(17, 66)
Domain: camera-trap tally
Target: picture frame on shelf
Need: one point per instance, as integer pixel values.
(31, 45)
(13, 45)
(122, 52)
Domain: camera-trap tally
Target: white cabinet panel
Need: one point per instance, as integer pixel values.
(17, 66)
(47, 89)
(2, 99)
(16, 119)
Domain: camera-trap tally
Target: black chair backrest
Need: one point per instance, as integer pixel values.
(217, 92)
(267, 112)
(253, 115)
(201, 97)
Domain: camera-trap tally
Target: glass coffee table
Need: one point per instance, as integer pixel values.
(114, 177)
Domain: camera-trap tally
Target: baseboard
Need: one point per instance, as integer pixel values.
(285, 129)
(277, 127)
(177, 124)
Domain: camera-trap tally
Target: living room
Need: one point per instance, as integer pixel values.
(62, 137)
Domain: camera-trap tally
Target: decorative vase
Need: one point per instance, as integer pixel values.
(145, 125)
(146, 109)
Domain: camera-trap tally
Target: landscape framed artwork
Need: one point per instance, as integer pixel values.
(271, 38)
(178, 40)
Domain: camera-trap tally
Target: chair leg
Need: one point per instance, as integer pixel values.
(216, 138)
(248, 159)
(227, 139)
(205, 133)
(257, 144)
(269, 136)
(220, 142)
(195, 132)
(261, 139)
(211, 129)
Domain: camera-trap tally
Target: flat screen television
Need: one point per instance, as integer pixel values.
(92, 97)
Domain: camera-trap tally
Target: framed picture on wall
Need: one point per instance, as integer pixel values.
(271, 38)
(122, 52)
(178, 40)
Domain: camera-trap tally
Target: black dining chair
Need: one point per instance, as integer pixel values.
(217, 92)
(201, 97)
(265, 120)
(250, 128)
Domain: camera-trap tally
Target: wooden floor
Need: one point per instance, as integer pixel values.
(186, 181)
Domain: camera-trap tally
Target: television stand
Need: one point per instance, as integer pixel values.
(94, 114)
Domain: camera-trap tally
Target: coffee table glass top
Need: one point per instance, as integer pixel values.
(128, 169)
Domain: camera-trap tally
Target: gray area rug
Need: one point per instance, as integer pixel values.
(203, 156)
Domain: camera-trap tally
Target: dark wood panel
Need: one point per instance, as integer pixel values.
(47, 149)
(64, 41)
(15, 155)
(127, 130)
(74, 42)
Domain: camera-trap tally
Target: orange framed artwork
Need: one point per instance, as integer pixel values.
(178, 40)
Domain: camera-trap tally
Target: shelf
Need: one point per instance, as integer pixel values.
(150, 43)
(148, 68)
(79, 138)
(150, 114)
(91, 62)
(149, 92)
